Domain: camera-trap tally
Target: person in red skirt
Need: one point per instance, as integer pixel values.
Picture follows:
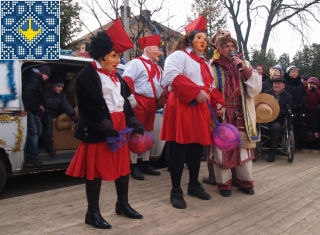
(104, 111)
(186, 119)
(143, 75)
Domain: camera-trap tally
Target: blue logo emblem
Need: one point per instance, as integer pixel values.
(30, 30)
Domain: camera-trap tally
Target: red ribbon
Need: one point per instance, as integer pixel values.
(154, 70)
(112, 74)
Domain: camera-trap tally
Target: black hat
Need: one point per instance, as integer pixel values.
(57, 81)
(279, 80)
(45, 69)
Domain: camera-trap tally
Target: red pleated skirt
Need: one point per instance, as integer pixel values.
(95, 160)
(145, 112)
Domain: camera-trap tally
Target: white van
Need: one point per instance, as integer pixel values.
(13, 119)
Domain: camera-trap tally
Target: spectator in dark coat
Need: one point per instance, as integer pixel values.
(284, 99)
(313, 99)
(33, 84)
(274, 72)
(295, 87)
(55, 103)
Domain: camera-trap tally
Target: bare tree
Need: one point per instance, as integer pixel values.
(213, 10)
(138, 11)
(294, 13)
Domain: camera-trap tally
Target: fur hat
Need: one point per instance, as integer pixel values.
(267, 108)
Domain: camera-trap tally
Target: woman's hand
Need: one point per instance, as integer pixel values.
(202, 97)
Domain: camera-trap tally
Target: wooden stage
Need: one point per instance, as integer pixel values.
(287, 201)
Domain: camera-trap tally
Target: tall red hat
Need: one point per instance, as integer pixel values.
(153, 40)
(198, 24)
(119, 37)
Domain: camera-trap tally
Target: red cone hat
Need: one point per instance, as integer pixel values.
(119, 37)
(198, 24)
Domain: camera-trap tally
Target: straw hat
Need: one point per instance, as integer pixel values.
(267, 108)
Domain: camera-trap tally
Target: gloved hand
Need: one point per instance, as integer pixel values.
(106, 127)
(113, 133)
(132, 101)
(138, 130)
(136, 125)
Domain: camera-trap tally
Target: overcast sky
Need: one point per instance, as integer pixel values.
(282, 40)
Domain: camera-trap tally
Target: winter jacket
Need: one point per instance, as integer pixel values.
(95, 123)
(284, 100)
(32, 92)
(56, 104)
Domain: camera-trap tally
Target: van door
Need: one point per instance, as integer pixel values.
(12, 123)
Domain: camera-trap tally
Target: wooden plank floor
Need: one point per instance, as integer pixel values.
(287, 201)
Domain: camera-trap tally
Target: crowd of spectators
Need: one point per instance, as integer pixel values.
(305, 104)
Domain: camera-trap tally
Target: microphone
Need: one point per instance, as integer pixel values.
(232, 55)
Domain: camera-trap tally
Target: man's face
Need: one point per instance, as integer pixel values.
(278, 87)
(58, 89)
(225, 50)
(199, 42)
(154, 53)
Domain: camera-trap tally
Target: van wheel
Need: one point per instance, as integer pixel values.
(3, 176)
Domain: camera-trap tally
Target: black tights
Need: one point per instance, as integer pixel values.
(181, 154)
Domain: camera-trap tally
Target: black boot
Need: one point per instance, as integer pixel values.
(122, 205)
(272, 156)
(93, 216)
(136, 173)
(147, 169)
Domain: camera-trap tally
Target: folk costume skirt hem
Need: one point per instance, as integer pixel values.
(96, 160)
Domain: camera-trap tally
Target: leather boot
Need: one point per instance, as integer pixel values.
(122, 205)
(93, 216)
(136, 173)
(147, 169)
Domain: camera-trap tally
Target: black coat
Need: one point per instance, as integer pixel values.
(56, 104)
(296, 89)
(93, 110)
(285, 101)
(32, 92)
